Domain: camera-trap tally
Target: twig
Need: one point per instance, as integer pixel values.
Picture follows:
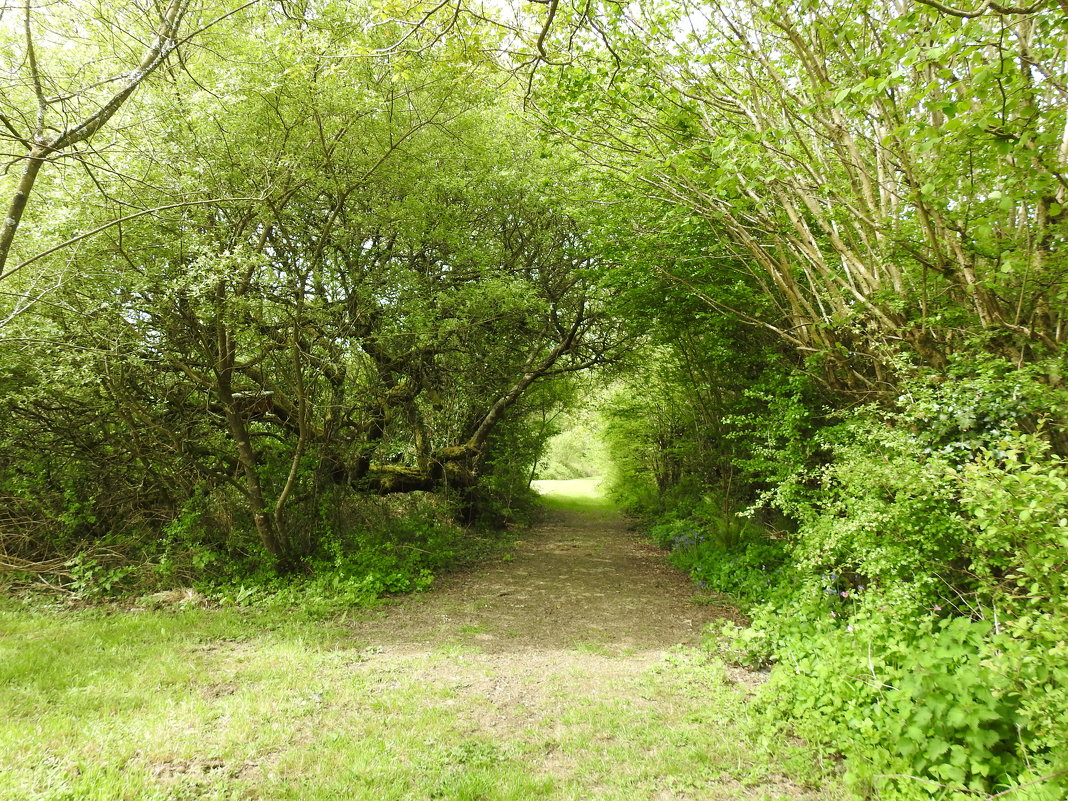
(1004, 793)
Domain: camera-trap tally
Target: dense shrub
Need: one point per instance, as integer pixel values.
(723, 552)
(930, 619)
(911, 597)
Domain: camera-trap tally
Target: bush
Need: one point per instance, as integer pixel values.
(721, 551)
(394, 544)
(913, 604)
(914, 698)
(925, 639)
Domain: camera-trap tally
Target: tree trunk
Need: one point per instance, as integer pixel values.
(247, 459)
(34, 161)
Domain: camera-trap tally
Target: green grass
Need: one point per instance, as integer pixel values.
(577, 494)
(227, 704)
(219, 705)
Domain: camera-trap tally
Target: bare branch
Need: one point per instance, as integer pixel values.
(35, 74)
(986, 5)
(553, 5)
(165, 42)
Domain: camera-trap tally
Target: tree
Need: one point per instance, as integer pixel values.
(893, 178)
(365, 327)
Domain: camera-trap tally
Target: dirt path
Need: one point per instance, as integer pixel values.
(580, 581)
(575, 650)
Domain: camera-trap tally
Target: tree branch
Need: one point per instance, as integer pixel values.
(986, 5)
(107, 225)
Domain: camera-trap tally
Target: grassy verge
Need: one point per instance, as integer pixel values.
(218, 704)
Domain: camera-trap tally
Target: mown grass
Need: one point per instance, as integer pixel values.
(225, 704)
(219, 704)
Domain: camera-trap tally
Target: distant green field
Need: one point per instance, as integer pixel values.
(576, 493)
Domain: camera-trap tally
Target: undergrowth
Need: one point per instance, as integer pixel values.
(383, 546)
(912, 611)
